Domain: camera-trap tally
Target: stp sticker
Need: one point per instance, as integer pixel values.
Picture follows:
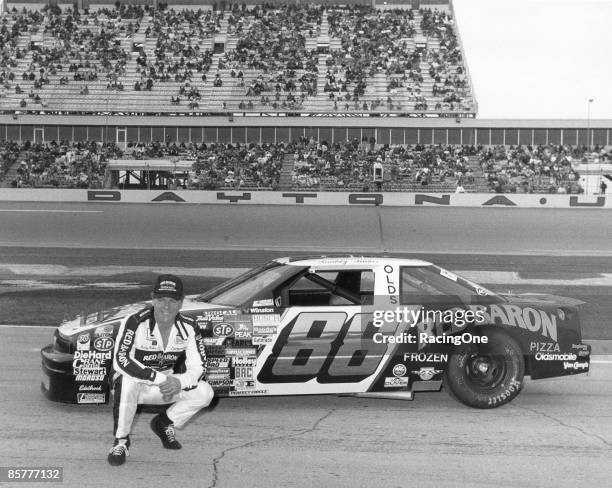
(104, 343)
(223, 330)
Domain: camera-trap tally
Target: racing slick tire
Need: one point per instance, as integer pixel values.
(486, 375)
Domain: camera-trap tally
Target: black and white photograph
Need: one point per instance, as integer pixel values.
(296, 244)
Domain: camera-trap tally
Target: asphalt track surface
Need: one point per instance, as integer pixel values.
(558, 432)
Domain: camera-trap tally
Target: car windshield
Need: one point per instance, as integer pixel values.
(240, 290)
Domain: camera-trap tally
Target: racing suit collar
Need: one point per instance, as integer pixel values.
(178, 325)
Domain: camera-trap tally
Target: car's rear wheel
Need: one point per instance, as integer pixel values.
(486, 375)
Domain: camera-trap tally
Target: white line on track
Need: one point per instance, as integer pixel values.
(49, 211)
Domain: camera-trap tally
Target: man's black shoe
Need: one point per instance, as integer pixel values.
(165, 431)
(119, 451)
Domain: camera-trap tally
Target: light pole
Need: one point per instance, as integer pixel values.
(589, 123)
(586, 190)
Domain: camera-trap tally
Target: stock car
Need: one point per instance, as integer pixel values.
(366, 326)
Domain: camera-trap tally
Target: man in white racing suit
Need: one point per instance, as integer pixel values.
(148, 346)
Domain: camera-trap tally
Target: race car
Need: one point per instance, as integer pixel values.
(353, 325)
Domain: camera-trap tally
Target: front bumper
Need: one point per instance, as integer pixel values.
(58, 382)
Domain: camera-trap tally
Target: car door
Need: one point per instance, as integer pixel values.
(325, 343)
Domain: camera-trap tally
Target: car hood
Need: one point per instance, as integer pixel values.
(82, 323)
(542, 299)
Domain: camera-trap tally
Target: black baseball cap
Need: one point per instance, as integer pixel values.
(168, 286)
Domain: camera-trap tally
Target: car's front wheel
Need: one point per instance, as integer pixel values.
(486, 375)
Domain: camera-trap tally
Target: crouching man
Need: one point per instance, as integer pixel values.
(148, 346)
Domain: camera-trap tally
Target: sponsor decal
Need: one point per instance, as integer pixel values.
(160, 359)
(225, 371)
(83, 342)
(541, 356)
(427, 373)
(244, 361)
(213, 341)
(247, 392)
(99, 376)
(91, 388)
(219, 382)
(399, 370)
(104, 343)
(215, 377)
(544, 347)
(583, 349)
(277, 302)
(263, 303)
(215, 350)
(527, 318)
(389, 280)
(264, 330)
(90, 365)
(149, 346)
(262, 340)
(105, 330)
(153, 357)
(217, 362)
(240, 384)
(93, 355)
(214, 316)
(201, 347)
(423, 357)
(243, 373)
(266, 320)
(243, 331)
(395, 382)
(240, 351)
(261, 310)
(576, 365)
(90, 398)
(223, 330)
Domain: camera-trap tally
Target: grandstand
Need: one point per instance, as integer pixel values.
(282, 95)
